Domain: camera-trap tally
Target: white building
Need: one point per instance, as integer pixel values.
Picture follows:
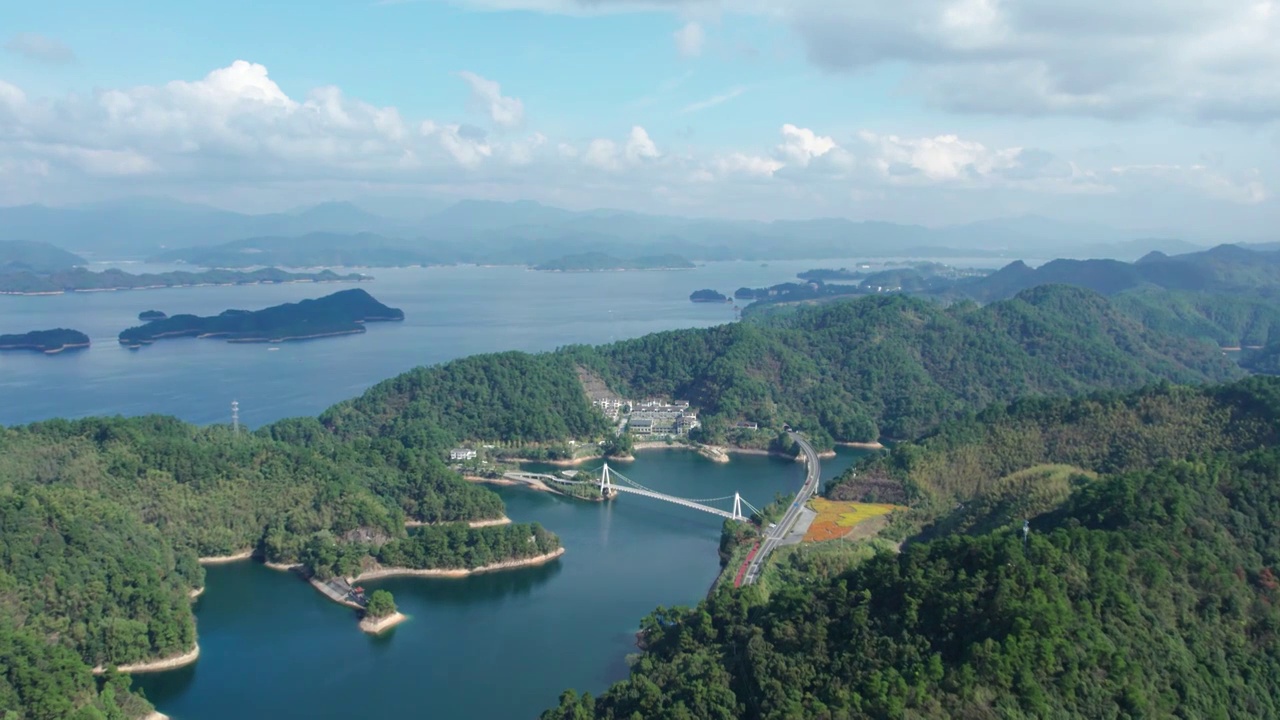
(462, 454)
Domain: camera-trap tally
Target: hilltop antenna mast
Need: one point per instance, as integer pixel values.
(235, 417)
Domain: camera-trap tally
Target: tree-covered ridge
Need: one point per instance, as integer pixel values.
(967, 460)
(1223, 269)
(852, 371)
(896, 365)
(1228, 319)
(1147, 593)
(506, 396)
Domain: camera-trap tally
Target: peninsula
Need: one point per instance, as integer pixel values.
(341, 313)
(601, 262)
(78, 279)
(49, 342)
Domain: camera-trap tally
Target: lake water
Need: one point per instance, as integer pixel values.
(495, 646)
(449, 313)
(498, 646)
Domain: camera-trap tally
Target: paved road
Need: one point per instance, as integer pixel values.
(783, 527)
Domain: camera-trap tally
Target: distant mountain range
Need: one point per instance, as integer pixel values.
(531, 233)
(1226, 268)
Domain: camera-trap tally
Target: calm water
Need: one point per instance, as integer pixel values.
(494, 646)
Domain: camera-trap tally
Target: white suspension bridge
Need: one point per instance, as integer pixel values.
(611, 482)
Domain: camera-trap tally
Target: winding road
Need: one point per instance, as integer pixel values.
(783, 527)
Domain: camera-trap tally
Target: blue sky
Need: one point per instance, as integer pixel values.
(928, 111)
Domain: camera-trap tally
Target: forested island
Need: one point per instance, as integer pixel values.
(598, 262)
(79, 279)
(341, 313)
(150, 315)
(49, 342)
(707, 296)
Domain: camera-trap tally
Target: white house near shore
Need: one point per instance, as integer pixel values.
(462, 454)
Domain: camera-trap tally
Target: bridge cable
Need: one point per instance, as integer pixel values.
(637, 485)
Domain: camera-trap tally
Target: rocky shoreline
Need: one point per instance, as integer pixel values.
(389, 572)
(169, 663)
(374, 626)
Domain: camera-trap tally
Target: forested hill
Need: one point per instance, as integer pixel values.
(1226, 268)
(102, 521)
(1145, 589)
(851, 370)
(1010, 461)
(896, 365)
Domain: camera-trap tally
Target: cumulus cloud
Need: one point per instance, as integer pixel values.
(505, 111)
(40, 48)
(1192, 59)
(237, 126)
(945, 158)
(690, 39)
(605, 154)
(1087, 57)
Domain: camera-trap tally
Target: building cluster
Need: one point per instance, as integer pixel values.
(653, 416)
(610, 406)
(659, 417)
(462, 454)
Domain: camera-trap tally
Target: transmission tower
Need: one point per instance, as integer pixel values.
(235, 417)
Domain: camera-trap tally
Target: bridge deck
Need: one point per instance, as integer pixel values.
(537, 478)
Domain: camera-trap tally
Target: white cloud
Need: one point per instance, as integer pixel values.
(945, 158)
(690, 39)
(1191, 59)
(743, 164)
(40, 48)
(640, 146)
(236, 128)
(605, 154)
(505, 111)
(800, 145)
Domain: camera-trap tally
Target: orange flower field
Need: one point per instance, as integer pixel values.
(835, 519)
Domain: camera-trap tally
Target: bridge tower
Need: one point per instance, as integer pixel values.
(737, 507)
(606, 483)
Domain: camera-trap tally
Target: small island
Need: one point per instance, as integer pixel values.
(381, 614)
(49, 342)
(149, 315)
(78, 279)
(708, 296)
(600, 262)
(341, 313)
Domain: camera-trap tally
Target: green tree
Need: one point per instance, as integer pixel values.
(381, 604)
